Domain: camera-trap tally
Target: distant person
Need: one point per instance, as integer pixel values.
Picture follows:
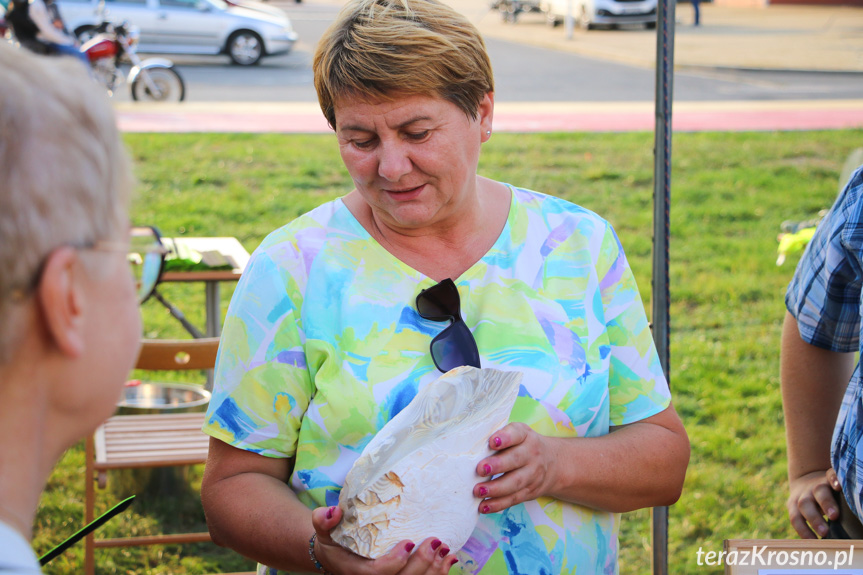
(696, 10)
(69, 321)
(822, 389)
(38, 26)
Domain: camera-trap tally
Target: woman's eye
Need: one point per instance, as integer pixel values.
(416, 136)
(363, 144)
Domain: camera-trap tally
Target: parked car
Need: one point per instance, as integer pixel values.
(244, 33)
(611, 13)
(259, 6)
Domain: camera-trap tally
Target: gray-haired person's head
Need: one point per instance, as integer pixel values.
(66, 178)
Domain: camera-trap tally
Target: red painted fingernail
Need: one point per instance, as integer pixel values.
(486, 508)
(497, 442)
(435, 544)
(483, 491)
(486, 469)
(444, 551)
(409, 547)
(330, 513)
(453, 561)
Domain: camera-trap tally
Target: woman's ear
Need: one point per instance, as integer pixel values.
(61, 300)
(486, 115)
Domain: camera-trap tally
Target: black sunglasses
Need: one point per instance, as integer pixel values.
(455, 345)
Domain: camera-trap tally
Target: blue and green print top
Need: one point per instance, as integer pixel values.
(322, 346)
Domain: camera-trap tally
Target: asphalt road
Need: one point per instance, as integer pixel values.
(522, 73)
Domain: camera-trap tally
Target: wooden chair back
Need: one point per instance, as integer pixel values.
(178, 354)
(137, 441)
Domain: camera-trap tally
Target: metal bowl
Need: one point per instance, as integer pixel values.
(152, 398)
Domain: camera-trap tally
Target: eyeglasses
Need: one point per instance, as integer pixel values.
(146, 258)
(145, 255)
(455, 345)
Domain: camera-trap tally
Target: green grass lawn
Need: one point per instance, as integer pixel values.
(730, 192)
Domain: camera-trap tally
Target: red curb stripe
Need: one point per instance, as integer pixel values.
(685, 120)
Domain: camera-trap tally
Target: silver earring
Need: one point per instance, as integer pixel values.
(488, 132)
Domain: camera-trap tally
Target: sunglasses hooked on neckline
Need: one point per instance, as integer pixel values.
(455, 346)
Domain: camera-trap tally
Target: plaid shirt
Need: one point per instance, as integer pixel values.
(826, 297)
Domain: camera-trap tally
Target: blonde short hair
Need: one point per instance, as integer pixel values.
(383, 49)
(65, 178)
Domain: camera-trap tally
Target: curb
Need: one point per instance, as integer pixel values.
(514, 117)
(763, 69)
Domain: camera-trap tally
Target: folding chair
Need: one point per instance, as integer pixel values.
(149, 441)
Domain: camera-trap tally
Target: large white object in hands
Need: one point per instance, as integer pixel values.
(415, 478)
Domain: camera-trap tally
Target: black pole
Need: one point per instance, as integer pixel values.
(661, 208)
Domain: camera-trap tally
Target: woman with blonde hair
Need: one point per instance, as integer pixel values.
(323, 343)
(69, 321)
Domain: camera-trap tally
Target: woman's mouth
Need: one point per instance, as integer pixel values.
(405, 193)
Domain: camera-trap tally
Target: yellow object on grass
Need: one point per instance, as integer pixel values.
(793, 243)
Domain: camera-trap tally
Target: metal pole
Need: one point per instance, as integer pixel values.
(214, 320)
(661, 208)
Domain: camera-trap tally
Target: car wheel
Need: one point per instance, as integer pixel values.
(85, 33)
(650, 25)
(245, 48)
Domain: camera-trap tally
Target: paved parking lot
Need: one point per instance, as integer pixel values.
(776, 37)
(750, 53)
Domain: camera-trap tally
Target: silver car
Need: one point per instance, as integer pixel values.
(590, 13)
(245, 33)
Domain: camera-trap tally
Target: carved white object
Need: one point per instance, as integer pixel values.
(415, 478)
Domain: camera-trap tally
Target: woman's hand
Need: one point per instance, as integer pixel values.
(526, 462)
(430, 558)
(636, 465)
(811, 498)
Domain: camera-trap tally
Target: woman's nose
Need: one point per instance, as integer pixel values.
(393, 161)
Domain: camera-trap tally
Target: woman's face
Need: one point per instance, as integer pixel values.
(116, 327)
(111, 325)
(414, 159)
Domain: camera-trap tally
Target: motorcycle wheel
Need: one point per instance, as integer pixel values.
(168, 82)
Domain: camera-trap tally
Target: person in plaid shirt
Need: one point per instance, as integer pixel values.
(821, 385)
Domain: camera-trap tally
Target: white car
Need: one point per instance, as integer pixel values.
(246, 33)
(590, 13)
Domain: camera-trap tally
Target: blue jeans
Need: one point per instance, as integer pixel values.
(69, 50)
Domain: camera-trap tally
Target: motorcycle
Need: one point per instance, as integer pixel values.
(153, 79)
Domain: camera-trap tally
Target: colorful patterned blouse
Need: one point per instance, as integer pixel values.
(322, 346)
